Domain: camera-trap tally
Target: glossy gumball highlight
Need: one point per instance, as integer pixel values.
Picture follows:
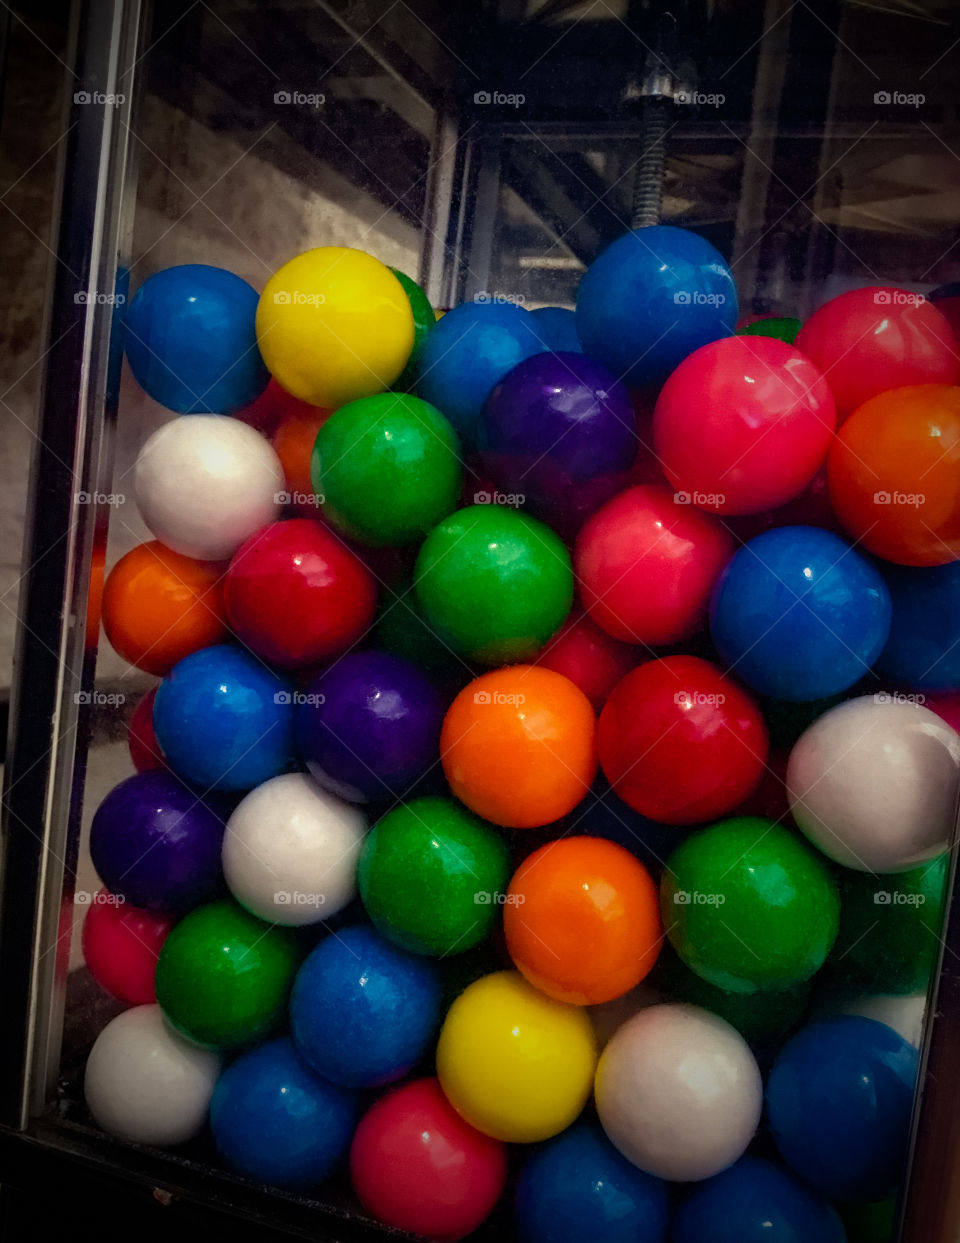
(868, 341)
(743, 425)
(646, 564)
(681, 743)
(121, 944)
(894, 474)
(296, 595)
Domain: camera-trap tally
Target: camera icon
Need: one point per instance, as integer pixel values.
(882, 897)
(282, 97)
(681, 898)
(281, 498)
(881, 498)
(482, 898)
(683, 97)
(881, 97)
(82, 97)
(481, 697)
(81, 298)
(682, 297)
(82, 697)
(282, 297)
(882, 296)
(481, 97)
(482, 498)
(682, 498)
(883, 697)
(282, 898)
(82, 897)
(283, 697)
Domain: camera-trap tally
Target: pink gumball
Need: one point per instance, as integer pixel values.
(743, 425)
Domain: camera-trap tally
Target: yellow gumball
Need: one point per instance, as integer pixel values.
(334, 324)
(513, 1062)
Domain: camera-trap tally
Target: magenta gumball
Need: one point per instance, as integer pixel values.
(743, 425)
(559, 430)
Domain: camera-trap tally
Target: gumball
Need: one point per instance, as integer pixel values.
(205, 484)
(579, 1187)
(922, 651)
(798, 614)
(190, 340)
(399, 628)
(783, 327)
(890, 928)
(559, 430)
(873, 784)
(363, 1012)
(581, 920)
(224, 720)
(493, 583)
(275, 1121)
(867, 341)
(748, 905)
(946, 298)
(293, 440)
(145, 752)
(646, 564)
(894, 475)
(334, 324)
(755, 1201)
(743, 425)
(874, 1222)
(417, 1166)
(423, 320)
(469, 351)
(556, 326)
(369, 727)
(159, 606)
(430, 876)
(904, 1014)
(121, 944)
(839, 1099)
(273, 407)
(514, 1063)
(156, 843)
(681, 743)
(290, 851)
(223, 976)
(388, 468)
(296, 595)
(653, 297)
(589, 657)
(145, 1084)
(678, 1092)
(517, 746)
(946, 706)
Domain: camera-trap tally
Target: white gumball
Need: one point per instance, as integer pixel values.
(290, 851)
(205, 482)
(145, 1083)
(679, 1092)
(874, 782)
(904, 1014)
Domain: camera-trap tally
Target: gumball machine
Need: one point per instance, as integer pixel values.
(484, 755)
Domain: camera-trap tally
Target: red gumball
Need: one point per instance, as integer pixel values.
(870, 340)
(743, 424)
(121, 945)
(417, 1166)
(589, 657)
(296, 595)
(946, 704)
(142, 741)
(946, 298)
(274, 404)
(680, 742)
(646, 563)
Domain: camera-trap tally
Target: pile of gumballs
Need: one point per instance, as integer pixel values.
(554, 746)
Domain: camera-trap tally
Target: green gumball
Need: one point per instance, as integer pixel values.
(423, 320)
(388, 468)
(430, 874)
(494, 584)
(748, 905)
(783, 327)
(223, 976)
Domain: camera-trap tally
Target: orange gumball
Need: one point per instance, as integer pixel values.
(582, 920)
(518, 746)
(293, 441)
(894, 475)
(159, 606)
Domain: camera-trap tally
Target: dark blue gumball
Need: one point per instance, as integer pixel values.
(578, 1187)
(362, 1011)
(191, 340)
(922, 651)
(798, 614)
(839, 1100)
(557, 328)
(277, 1121)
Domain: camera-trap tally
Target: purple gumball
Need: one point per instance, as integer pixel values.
(559, 430)
(369, 727)
(156, 843)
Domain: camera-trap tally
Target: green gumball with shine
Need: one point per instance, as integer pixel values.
(423, 320)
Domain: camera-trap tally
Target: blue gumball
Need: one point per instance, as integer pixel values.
(653, 297)
(191, 341)
(223, 720)
(470, 350)
(578, 1187)
(755, 1201)
(557, 329)
(839, 1099)
(922, 651)
(362, 1011)
(799, 615)
(274, 1120)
